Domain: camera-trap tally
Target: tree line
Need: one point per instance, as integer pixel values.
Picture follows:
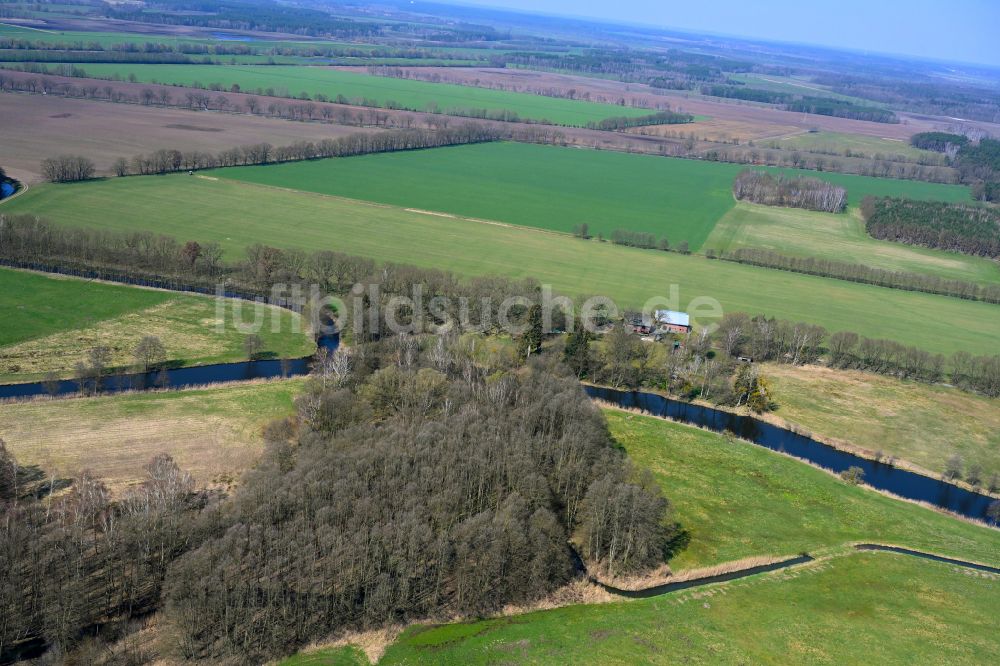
(967, 228)
(625, 122)
(931, 284)
(798, 192)
(73, 168)
(166, 161)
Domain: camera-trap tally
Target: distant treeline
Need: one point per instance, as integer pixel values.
(624, 122)
(938, 141)
(865, 274)
(244, 15)
(966, 228)
(800, 192)
(166, 161)
(153, 49)
(821, 106)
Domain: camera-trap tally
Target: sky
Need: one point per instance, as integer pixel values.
(957, 30)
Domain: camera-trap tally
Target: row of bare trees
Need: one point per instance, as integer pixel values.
(166, 160)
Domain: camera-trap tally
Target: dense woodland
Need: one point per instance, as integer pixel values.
(967, 228)
(801, 192)
(417, 483)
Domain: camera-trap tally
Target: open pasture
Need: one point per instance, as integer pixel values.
(555, 188)
(51, 323)
(214, 434)
(916, 422)
(285, 80)
(839, 237)
(236, 214)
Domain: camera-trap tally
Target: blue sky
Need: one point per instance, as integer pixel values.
(958, 30)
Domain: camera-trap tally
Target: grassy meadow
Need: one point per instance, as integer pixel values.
(555, 188)
(863, 608)
(55, 321)
(916, 422)
(236, 214)
(840, 237)
(839, 143)
(212, 433)
(291, 80)
(739, 500)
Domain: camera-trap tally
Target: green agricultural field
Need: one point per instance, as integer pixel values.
(215, 434)
(51, 324)
(373, 90)
(864, 608)
(856, 145)
(841, 237)
(236, 214)
(530, 185)
(554, 188)
(915, 422)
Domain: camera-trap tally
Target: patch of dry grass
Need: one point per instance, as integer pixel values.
(215, 433)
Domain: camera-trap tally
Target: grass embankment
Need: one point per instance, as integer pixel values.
(213, 433)
(51, 323)
(922, 424)
(236, 214)
(842, 237)
(555, 188)
(739, 500)
(290, 80)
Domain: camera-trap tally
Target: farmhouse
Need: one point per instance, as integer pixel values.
(673, 322)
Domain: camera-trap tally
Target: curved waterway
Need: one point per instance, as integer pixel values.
(882, 476)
